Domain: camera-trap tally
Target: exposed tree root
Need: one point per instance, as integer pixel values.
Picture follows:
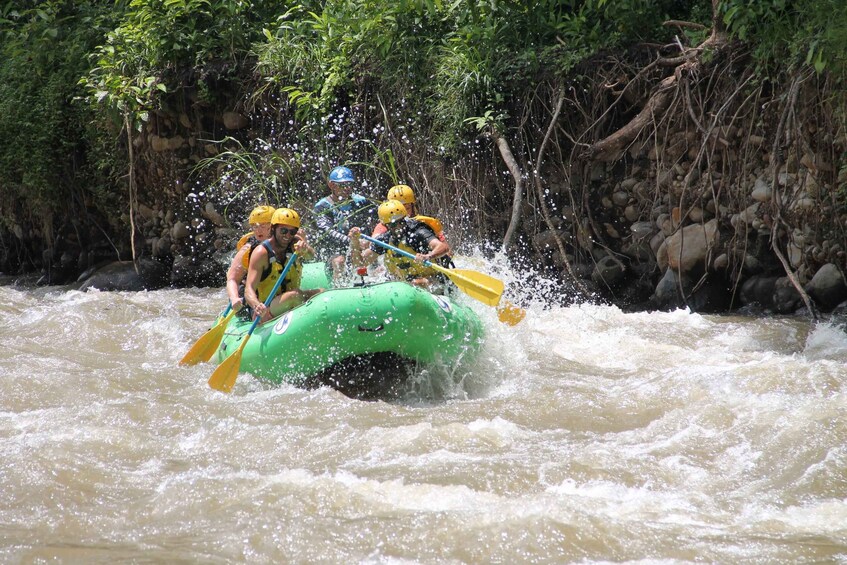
(517, 176)
(560, 100)
(778, 222)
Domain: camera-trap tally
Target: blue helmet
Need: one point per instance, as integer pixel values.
(341, 174)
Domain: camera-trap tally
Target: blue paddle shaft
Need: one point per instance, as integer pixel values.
(394, 249)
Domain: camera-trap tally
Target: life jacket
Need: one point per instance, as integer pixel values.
(271, 273)
(246, 239)
(434, 223)
(405, 267)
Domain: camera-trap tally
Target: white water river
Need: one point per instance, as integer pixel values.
(584, 434)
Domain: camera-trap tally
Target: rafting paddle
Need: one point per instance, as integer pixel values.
(510, 314)
(223, 379)
(205, 347)
(480, 286)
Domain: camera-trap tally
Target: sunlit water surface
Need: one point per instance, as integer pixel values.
(584, 434)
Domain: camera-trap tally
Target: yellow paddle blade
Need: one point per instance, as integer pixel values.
(477, 285)
(208, 343)
(510, 314)
(223, 379)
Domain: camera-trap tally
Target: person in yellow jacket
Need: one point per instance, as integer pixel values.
(260, 223)
(267, 262)
(404, 194)
(410, 235)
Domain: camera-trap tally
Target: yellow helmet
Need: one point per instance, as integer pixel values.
(261, 215)
(286, 216)
(391, 211)
(403, 193)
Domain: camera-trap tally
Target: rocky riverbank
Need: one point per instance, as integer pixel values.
(707, 253)
(714, 220)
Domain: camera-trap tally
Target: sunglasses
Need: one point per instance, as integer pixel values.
(395, 224)
(286, 231)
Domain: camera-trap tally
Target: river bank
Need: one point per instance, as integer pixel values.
(652, 178)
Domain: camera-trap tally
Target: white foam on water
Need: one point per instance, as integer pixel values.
(582, 433)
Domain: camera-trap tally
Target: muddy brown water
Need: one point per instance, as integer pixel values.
(584, 434)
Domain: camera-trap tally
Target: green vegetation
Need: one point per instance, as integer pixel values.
(260, 172)
(45, 130)
(782, 31)
(440, 67)
(448, 60)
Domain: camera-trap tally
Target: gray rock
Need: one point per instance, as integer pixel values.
(641, 230)
(122, 276)
(667, 294)
(690, 246)
(786, 299)
(827, 287)
(758, 290)
(608, 270)
(234, 120)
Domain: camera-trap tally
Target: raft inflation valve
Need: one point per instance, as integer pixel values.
(361, 271)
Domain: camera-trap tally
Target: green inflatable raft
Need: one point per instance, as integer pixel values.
(359, 340)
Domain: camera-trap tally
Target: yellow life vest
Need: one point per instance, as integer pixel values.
(404, 267)
(246, 239)
(433, 223)
(272, 272)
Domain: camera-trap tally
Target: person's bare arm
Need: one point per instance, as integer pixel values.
(437, 248)
(258, 262)
(303, 249)
(234, 275)
(360, 254)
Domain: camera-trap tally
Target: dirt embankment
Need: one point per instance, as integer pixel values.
(694, 183)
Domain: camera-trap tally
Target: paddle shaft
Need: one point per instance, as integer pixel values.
(480, 286)
(405, 253)
(224, 376)
(273, 292)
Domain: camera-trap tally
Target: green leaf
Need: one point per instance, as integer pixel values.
(820, 63)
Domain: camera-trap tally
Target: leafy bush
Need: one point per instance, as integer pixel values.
(780, 31)
(447, 61)
(161, 41)
(43, 165)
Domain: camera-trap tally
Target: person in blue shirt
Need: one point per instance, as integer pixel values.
(335, 215)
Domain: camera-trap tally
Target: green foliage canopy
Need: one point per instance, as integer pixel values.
(799, 33)
(442, 61)
(44, 46)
